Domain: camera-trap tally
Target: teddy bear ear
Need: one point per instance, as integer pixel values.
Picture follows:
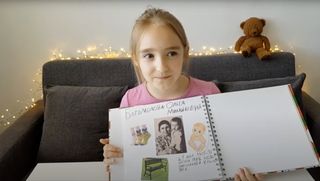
(242, 24)
(263, 22)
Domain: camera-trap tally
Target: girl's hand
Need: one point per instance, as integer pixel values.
(110, 152)
(244, 174)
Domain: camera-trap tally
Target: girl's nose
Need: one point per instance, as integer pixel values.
(161, 64)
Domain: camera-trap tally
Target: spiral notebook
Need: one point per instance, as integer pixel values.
(212, 136)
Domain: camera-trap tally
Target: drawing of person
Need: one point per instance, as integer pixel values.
(197, 140)
(178, 144)
(163, 140)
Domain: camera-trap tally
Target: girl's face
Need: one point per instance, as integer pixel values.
(174, 126)
(160, 57)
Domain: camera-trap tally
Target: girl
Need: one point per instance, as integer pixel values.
(177, 136)
(160, 53)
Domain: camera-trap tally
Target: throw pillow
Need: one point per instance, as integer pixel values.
(295, 81)
(75, 118)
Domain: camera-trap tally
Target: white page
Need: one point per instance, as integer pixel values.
(190, 110)
(261, 129)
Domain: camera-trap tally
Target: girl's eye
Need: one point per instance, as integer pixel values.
(172, 53)
(148, 56)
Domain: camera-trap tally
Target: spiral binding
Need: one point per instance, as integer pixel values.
(214, 136)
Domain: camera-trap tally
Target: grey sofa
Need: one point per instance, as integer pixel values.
(28, 142)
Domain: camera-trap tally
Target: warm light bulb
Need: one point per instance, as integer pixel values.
(91, 48)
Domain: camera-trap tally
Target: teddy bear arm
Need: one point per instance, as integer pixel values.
(266, 43)
(239, 43)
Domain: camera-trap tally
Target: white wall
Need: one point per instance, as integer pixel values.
(31, 30)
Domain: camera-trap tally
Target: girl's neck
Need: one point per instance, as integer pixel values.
(174, 92)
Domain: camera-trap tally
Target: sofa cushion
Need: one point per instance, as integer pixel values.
(295, 81)
(75, 118)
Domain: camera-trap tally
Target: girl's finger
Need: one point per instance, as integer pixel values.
(259, 176)
(104, 141)
(112, 154)
(109, 161)
(248, 174)
(237, 177)
(109, 147)
(242, 175)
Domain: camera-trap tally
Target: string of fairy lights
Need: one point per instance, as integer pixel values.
(101, 52)
(7, 117)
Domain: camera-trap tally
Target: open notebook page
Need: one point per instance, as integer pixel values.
(261, 129)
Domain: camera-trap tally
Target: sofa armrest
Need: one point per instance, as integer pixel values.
(20, 144)
(311, 109)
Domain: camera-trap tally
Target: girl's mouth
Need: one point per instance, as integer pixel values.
(163, 77)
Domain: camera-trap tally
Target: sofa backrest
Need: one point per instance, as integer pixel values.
(120, 72)
(235, 67)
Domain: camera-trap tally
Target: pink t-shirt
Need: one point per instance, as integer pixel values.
(140, 95)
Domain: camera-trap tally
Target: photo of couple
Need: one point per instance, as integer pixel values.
(170, 137)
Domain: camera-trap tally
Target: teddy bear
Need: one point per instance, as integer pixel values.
(197, 140)
(253, 41)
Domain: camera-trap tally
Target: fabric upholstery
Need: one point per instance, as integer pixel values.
(95, 73)
(295, 81)
(75, 118)
(235, 67)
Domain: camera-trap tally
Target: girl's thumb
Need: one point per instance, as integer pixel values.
(104, 141)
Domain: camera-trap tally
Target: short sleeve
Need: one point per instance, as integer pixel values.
(124, 101)
(214, 88)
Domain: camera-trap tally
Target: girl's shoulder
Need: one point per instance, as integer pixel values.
(138, 95)
(139, 89)
(130, 96)
(203, 87)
